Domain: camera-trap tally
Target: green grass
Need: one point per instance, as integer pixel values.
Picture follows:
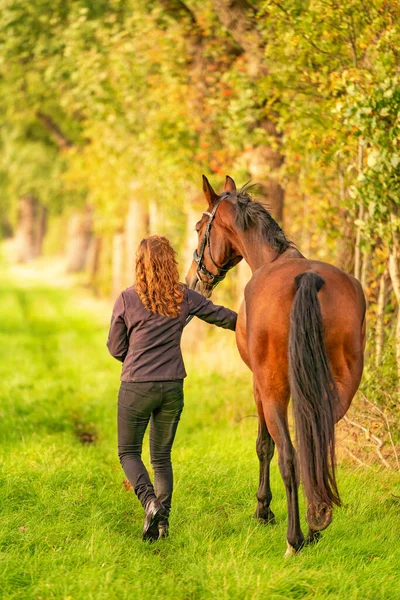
(70, 530)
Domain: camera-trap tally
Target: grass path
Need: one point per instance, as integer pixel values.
(70, 530)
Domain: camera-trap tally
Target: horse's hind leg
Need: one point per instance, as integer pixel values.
(275, 402)
(348, 379)
(265, 450)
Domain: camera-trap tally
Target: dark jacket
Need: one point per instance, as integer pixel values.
(148, 344)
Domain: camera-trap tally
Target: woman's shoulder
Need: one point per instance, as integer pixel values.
(130, 295)
(190, 294)
(185, 292)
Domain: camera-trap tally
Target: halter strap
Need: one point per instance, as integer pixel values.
(198, 256)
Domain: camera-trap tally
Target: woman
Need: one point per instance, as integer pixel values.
(145, 334)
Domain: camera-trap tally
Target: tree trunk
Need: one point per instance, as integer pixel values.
(31, 228)
(357, 251)
(395, 277)
(366, 259)
(394, 271)
(40, 227)
(361, 211)
(79, 236)
(194, 332)
(191, 238)
(263, 164)
(239, 19)
(154, 219)
(136, 228)
(346, 244)
(118, 264)
(380, 317)
(305, 232)
(93, 259)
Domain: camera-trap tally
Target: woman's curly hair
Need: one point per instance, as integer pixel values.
(157, 278)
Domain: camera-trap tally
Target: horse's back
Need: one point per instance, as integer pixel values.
(270, 293)
(269, 298)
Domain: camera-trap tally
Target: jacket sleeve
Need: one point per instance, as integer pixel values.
(211, 313)
(118, 342)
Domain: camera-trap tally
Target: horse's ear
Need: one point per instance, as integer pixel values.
(230, 185)
(209, 193)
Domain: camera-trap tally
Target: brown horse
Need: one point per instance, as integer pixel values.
(301, 331)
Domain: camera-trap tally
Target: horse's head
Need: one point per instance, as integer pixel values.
(215, 254)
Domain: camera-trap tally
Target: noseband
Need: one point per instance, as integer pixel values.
(199, 256)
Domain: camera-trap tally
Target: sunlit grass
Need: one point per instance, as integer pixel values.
(70, 529)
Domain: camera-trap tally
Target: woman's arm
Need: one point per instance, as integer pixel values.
(212, 313)
(118, 342)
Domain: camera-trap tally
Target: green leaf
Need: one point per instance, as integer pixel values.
(395, 160)
(372, 159)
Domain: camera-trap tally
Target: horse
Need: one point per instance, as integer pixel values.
(301, 331)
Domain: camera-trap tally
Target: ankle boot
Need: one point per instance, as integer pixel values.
(163, 528)
(154, 513)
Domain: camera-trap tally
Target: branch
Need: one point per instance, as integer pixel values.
(387, 427)
(289, 21)
(193, 35)
(237, 16)
(394, 258)
(389, 397)
(379, 442)
(178, 9)
(245, 417)
(354, 457)
(61, 140)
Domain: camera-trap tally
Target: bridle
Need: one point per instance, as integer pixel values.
(198, 256)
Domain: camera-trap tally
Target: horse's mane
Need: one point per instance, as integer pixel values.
(252, 214)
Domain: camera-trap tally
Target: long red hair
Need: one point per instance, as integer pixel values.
(157, 278)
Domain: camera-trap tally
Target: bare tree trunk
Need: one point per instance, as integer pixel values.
(239, 19)
(305, 232)
(263, 164)
(154, 218)
(345, 246)
(346, 242)
(31, 228)
(136, 228)
(394, 271)
(118, 264)
(40, 227)
(357, 255)
(366, 259)
(194, 332)
(191, 238)
(24, 230)
(380, 317)
(93, 259)
(79, 236)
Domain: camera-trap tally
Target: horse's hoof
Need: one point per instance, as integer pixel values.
(313, 538)
(265, 516)
(290, 551)
(319, 516)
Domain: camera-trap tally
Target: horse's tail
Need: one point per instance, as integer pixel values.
(314, 395)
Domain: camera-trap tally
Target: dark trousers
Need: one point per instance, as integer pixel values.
(161, 403)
